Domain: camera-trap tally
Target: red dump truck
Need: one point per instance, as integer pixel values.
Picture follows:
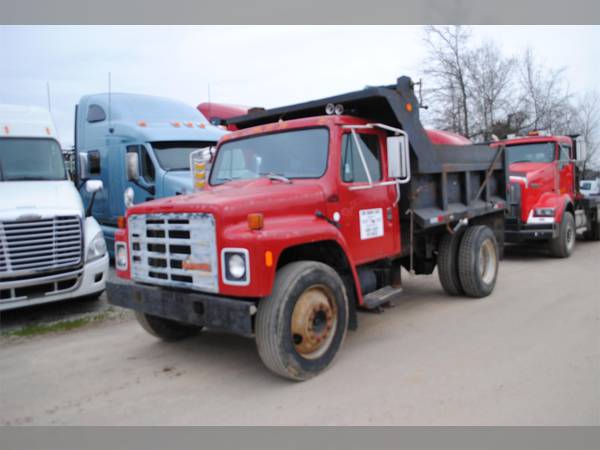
(545, 203)
(308, 215)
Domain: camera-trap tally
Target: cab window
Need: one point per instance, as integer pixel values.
(565, 153)
(353, 170)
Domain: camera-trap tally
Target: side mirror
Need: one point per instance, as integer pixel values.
(580, 151)
(84, 166)
(93, 186)
(398, 158)
(133, 166)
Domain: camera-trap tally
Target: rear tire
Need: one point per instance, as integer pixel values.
(165, 329)
(562, 246)
(301, 326)
(478, 260)
(594, 233)
(447, 262)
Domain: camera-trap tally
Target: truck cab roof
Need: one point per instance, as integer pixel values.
(26, 121)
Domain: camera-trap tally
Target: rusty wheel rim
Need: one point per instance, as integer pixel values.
(314, 321)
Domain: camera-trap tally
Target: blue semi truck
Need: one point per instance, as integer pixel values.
(139, 146)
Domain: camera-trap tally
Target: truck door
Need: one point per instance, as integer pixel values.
(144, 187)
(368, 217)
(566, 170)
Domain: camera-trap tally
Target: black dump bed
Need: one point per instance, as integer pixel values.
(448, 182)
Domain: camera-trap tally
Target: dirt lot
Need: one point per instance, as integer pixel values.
(527, 355)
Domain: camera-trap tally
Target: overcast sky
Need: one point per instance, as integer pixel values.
(254, 65)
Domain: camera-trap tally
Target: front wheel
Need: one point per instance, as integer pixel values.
(562, 246)
(301, 326)
(478, 257)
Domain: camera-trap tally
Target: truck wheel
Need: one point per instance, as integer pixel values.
(478, 257)
(447, 262)
(562, 246)
(301, 326)
(165, 329)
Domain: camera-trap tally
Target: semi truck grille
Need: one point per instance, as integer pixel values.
(174, 250)
(39, 245)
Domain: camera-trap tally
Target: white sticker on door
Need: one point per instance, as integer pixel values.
(371, 223)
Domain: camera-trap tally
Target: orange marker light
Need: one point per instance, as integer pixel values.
(255, 221)
(409, 107)
(48, 131)
(268, 258)
(6, 129)
(121, 222)
(189, 124)
(201, 125)
(142, 123)
(176, 124)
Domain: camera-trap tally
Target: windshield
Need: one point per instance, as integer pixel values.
(176, 155)
(542, 152)
(291, 154)
(25, 159)
(586, 186)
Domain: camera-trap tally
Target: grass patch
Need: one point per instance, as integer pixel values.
(55, 327)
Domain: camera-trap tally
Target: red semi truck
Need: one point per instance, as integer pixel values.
(309, 213)
(545, 202)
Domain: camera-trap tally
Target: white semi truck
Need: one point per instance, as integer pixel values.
(50, 248)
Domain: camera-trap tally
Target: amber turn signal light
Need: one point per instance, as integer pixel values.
(255, 221)
(121, 222)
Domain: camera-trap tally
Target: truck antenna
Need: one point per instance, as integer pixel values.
(110, 129)
(421, 105)
(48, 95)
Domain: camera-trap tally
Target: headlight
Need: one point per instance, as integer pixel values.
(121, 258)
(97, 248)
(543, 212)
(235, 266)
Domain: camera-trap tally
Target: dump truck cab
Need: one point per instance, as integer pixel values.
(545, 201)
(309, 213)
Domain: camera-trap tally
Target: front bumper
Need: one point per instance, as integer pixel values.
(194, 308)
(89, 280)
(517, 232)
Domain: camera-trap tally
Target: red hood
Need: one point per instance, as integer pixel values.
(239, 198)
(527, 168)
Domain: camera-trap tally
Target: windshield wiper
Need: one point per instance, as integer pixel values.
(275, 176)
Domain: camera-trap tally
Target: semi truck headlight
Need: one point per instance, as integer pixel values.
(97, 248)
(121, 258)
(235, 266)
(543, 212)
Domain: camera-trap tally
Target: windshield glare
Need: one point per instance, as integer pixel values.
(292, 154)
(25, 159)
(542, 152)
(176, 155)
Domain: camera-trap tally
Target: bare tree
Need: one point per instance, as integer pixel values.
(544, 95)
(490, 78)
(587, 124)
(447, 69)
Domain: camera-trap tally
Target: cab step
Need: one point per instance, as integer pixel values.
(380, 297)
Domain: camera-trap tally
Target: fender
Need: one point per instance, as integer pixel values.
(278, 235)
(560, 203)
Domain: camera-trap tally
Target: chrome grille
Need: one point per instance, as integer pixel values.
(39, 245)
(174, 250)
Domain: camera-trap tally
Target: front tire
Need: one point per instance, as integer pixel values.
(478, 258)
(301, 326)
(562, 246)
(165, 329)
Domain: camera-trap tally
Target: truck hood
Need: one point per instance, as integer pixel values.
(238, 199)
(177, 182)
(528, 169)
(39, 197)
